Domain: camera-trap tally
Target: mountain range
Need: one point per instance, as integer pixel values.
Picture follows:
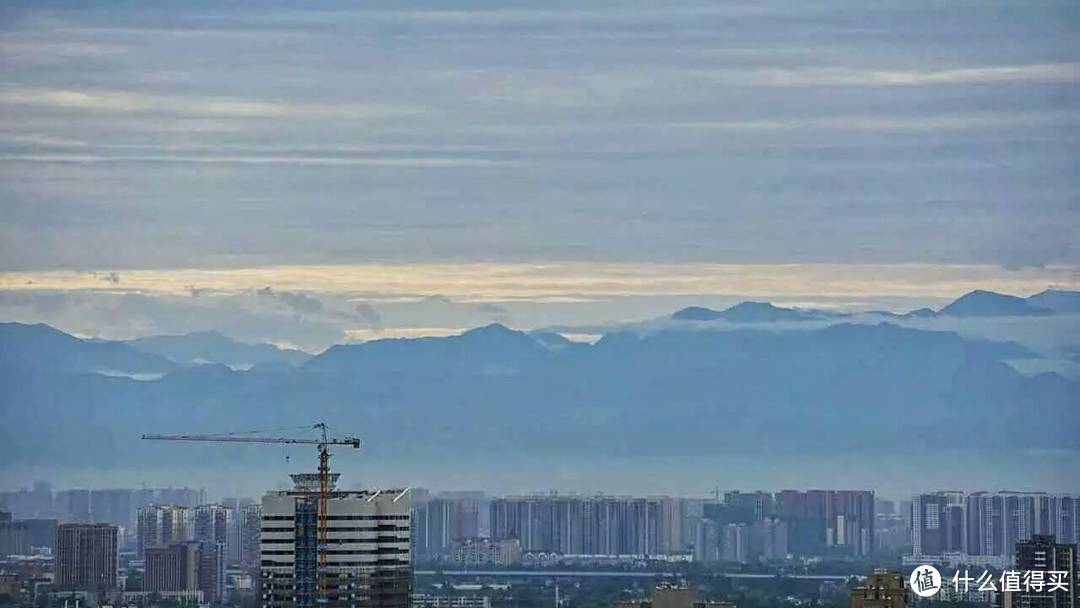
(215, 347)
(494, 390)
(978, 303)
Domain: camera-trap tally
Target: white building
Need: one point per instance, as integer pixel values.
(368, 555)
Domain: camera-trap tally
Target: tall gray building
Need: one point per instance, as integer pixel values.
(938, 523)
(160, 525)
(86, 557)
(13, 536)
(985, 527)
(249, 524)
(590, 525)
(217, 524)
(438, 522)
(1057, 561)
(187, 566)
(172, 567)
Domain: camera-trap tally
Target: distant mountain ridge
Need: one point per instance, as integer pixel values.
(752, 312)
(492, 345)
(494, 390)
(981, 303)
(214, 347)
(977, 303)
(1057, 300)
(42, 346)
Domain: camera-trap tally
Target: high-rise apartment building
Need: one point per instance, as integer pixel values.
(1067, 519)
(160, 525)
(40, 532)
(984, 527)
(938, 523)
(673, 527)
(1058, 564)
(113, 507)
(746, 507)
(849, 521)
(250, 523)
(590, 525)
(705, 540)
(187, 567)
(735, 544)
(211, 571)
(27, 503)
(13, 536)
(86, 556)
(217, 524)
(996, 521)
(234, 551)
(368, 552)
(825, 521)
(768, 539)
(74, 505)
(182, 497)
(441, 521)
(172, 567)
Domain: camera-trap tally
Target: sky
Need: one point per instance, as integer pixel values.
(311, 174)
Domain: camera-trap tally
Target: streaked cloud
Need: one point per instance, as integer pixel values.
(128, 102)
(365, 334)
(123, 101)
(844, 76)
(566, 282)
(864, 122)
(257, 160)
(630, 150)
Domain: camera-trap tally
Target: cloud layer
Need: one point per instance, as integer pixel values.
(195, 135)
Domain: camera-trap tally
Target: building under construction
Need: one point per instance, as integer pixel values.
(365, 559)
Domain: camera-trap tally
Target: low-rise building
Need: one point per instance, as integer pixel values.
(486, 552)
(673, 596)
(424, 600)
(883, 589)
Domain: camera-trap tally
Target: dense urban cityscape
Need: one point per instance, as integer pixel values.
(469, 549)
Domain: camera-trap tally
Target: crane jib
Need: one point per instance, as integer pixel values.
(323, 444)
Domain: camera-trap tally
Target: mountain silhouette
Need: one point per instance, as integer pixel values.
(751, 312)
(494, 390)
(214, 347)
(1057, 300)
(42, 346)
(980, 303)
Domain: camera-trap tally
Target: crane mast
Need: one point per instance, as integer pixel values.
(324, 515)
(323, 443)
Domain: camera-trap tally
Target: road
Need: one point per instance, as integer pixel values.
(617, 574)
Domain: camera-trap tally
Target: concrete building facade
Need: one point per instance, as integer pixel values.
(86, 557)
(369, 559)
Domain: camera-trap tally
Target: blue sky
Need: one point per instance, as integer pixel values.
(164, 137)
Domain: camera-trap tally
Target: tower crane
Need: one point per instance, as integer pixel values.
(323, 442)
